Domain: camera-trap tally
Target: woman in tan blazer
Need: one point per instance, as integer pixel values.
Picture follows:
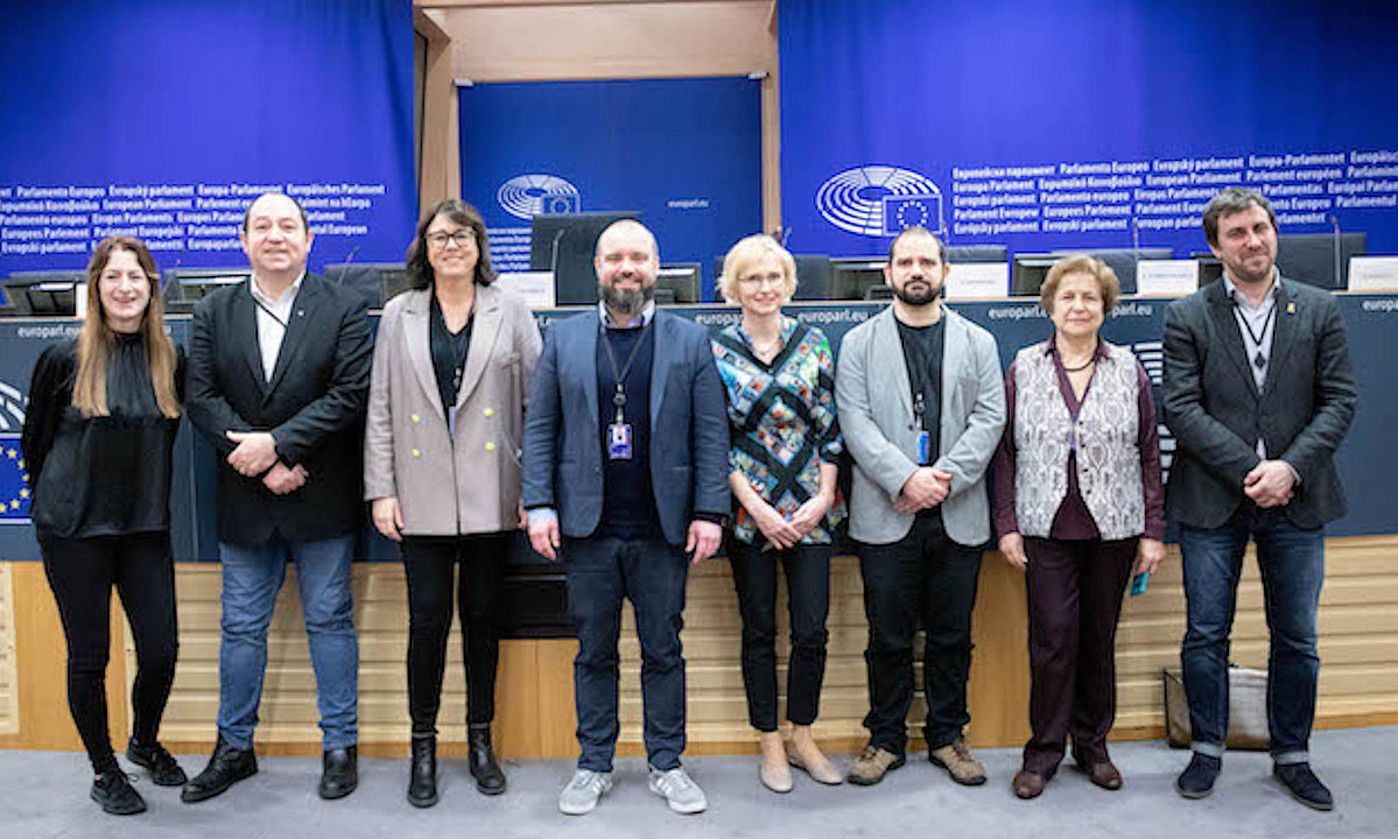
(452, 365)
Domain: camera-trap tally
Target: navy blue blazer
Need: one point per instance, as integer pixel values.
(689, 427)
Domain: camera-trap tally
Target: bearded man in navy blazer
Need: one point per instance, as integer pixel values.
(1258, 394)
(278, 381)
(626, 483)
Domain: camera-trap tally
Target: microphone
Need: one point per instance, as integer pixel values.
(1340, 280)
(1136, 251)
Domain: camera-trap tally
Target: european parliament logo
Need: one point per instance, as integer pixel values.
(527, 196)
(14, 481)
(880, 201)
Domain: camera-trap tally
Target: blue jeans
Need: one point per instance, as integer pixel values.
(252, 576)
(1292, 563)
(652, 575)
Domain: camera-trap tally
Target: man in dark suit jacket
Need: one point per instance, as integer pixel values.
(626, 471)
(1258, 394)
(278, 378)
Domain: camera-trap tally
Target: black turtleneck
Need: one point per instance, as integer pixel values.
(99, 476)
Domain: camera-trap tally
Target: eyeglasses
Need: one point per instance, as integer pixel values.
(461, 238)
(759, 280)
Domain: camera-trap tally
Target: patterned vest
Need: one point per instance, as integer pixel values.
(1109, 460)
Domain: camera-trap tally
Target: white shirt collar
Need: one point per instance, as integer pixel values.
(287, 295)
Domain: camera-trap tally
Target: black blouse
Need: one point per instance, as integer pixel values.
(449, 350)
(99, 476)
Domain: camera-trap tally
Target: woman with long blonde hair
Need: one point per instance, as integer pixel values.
(98, 436)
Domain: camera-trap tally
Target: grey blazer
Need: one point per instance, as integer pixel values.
(875, 403)
(470, 483)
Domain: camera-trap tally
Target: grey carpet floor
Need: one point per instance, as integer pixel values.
(44, 794)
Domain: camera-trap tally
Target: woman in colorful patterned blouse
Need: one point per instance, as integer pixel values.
(779, 378)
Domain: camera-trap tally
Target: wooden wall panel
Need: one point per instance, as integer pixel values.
(9, 673)
(1358, 627)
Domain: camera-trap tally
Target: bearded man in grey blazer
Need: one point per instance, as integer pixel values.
(921, 399)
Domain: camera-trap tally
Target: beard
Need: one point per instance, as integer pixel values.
(627, 302)
(920, 297)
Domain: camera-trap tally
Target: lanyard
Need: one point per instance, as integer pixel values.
(1260, 360)
(619, 398)
(285, 324)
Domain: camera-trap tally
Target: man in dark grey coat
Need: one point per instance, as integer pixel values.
(1258, 394)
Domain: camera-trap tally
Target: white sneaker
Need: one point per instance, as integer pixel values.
(681, 793)
(580, 796)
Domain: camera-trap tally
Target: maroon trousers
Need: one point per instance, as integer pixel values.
(1075, 592)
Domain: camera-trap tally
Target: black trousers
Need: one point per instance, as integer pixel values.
(1075, 591)
(81, 573)
(429, 562)
(927, 576)
(807, 569)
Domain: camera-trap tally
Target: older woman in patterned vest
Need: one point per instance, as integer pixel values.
(778, 375)
(1079, 507)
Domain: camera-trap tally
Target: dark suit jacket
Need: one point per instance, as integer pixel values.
(314, 407)
(1213, 407)
(689, 427)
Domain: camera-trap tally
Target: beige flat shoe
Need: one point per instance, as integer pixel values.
(823, 772)
(775, 778)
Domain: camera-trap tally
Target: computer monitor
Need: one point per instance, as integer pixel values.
(565, 243)
(852, 277)
(376, 282)
(1319, 259)
(815, 276)
(184, 287)
(1210, 267)
(50, 293)
(682, 282)
(977, 253)
(1029, 272)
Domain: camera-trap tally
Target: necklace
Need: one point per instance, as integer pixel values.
(1081, 367)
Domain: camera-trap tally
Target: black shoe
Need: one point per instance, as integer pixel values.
(489, 779)
(339, 772)
(161, 765)
(1303, 785)
(422, 773)
(116, 795)
(226, 767)
(1197, 779)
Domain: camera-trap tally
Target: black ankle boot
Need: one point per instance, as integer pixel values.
(422, 773)
(489, 779)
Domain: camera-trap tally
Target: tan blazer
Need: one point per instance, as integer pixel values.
(446, 486)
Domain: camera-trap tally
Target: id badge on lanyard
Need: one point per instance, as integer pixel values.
(619, 441)
(924, 437)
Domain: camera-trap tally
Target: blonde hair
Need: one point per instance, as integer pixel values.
(749, 250)
(96, 338)
(1081, 263)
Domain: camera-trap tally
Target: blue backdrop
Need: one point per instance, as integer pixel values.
(686, 153)
(1083, 123)
(165, 119)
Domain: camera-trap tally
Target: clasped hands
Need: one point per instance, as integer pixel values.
(256, 454)
(925, 489)
(787, 532)
(1271, 483)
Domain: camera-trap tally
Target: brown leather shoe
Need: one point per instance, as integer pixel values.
(1104, 775)
(959, 763)
(1028, 784)
(872, 764)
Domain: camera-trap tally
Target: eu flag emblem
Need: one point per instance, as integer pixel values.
(14, 481)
